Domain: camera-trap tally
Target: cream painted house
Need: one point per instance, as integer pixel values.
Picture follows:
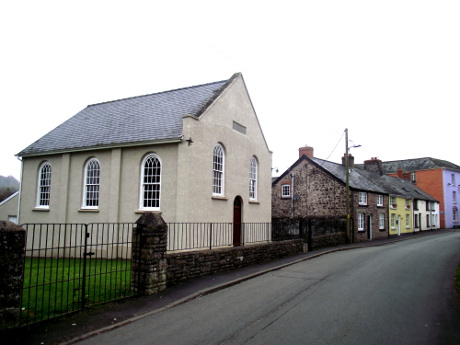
(195, 154)
(9, 208)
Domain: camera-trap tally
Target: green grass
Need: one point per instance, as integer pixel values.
(54, 287)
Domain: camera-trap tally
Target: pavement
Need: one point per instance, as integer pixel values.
(83, 324)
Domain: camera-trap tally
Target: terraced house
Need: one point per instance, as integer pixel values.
(439, 178)
(380, 205)
(196, 154)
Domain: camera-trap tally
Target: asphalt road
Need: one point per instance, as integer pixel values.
(401, 293)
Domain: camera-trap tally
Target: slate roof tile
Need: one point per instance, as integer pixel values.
(140, 119)
(416, 164)
(367, 181)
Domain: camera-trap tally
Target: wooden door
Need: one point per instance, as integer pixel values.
(237, 211)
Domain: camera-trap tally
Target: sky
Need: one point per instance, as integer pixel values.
(388, 71)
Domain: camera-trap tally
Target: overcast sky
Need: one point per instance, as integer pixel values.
(389, 71)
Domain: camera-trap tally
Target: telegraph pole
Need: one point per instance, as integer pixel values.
(347, 187)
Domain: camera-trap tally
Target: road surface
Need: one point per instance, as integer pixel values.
(401, 293)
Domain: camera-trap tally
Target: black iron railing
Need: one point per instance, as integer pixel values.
(71, 266)
(199, 236)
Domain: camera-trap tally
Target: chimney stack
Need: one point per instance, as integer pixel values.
(307, 151)
(374, 164)
(351, 160)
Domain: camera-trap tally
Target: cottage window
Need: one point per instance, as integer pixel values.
(151, 183)
(253, 179)
(381, 221)
(393, 221)
(285, 190)
(91, 186)
(380, 200)
(44, 186)
(218, 167)
(407, 221)
(393, 202)
(360, 221)
(454, 197)
(407, 203)
(362, 198)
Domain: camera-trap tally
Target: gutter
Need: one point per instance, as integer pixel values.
(103, 147)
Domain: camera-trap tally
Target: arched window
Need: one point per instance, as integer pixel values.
(151, 183)
(253, 179)
(91, 184)
(44, 185)
(218, 167)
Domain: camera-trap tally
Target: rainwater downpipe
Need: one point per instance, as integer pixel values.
(292, 195)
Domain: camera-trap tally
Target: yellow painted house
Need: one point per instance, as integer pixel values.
(401, 215)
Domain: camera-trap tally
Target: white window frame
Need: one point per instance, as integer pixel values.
(393, 203)
(381, 221)
(361, 218)
(407, 203)
(393, 220)
(44, 186)
(91, 184)
(380, 200)
(218, 171)
(253, 171)
(408, 221)
(285, 190)
(152, 181)
(362, 198)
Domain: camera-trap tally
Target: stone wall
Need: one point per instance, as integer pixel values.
(315, 193)
(12, 255)
(188, 265)
(317, 232)
(371, 209)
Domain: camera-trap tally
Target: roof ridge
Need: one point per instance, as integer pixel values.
(158, 93)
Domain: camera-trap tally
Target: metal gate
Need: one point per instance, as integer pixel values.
(69, 267)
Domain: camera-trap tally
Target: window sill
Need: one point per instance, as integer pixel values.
(255, 202)
(147, 211)
(39, 209)
(223, 198)
(89, 210)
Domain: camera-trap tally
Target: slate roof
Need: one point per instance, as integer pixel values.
(367, 181)
(358, 179)
(417, 164)
(144, 119)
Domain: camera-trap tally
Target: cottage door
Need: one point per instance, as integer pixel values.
(237, 205)
(369, 227)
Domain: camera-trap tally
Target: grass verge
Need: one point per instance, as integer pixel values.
(54, 287)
